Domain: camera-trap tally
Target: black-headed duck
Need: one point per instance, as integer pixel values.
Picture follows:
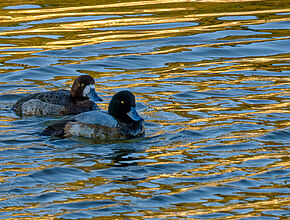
(120, 122)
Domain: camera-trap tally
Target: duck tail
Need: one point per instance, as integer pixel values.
(56, 129)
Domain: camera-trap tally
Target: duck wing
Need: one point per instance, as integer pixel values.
(57, 97)
(97, 117)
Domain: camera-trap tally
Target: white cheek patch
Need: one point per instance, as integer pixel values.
(88, 89)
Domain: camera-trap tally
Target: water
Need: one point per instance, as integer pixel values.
(211, 79)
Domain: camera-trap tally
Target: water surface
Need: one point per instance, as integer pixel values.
(211, 79)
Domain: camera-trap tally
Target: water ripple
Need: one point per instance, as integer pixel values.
(211, 79)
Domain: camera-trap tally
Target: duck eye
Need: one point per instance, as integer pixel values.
(82, 85)
(122, 102)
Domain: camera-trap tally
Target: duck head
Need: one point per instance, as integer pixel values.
(122, 107)
(84, 88)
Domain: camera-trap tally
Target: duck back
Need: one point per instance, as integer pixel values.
(52, 103)
(97, 117)
(99, 125)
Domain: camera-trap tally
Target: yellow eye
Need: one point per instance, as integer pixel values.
(82, 85)
(122, 102)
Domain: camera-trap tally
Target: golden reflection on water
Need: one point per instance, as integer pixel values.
(200, 17)
(187, 14)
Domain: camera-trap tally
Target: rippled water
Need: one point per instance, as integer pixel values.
(211, 79)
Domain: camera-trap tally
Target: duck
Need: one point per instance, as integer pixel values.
(120, 122)
(79, 99)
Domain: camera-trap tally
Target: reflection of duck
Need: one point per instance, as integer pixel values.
(122, 157)
(61, 102)
(121, 122)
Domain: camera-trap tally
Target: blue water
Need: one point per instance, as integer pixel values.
(211, 80)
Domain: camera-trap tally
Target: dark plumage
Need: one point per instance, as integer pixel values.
(61, 102)
(121, 122)
(56, 129)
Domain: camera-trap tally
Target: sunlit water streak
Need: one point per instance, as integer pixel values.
(211, 79)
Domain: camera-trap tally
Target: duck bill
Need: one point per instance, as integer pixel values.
(92, 95)
(134, 115)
